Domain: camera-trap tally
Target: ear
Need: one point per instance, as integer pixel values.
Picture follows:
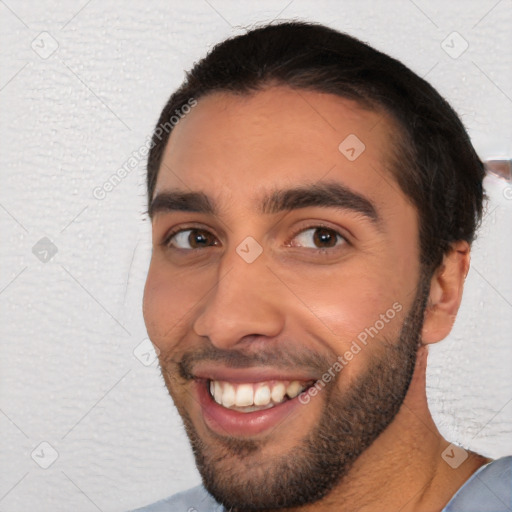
(445, 295)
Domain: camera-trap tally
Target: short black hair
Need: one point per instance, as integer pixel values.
(433, 162)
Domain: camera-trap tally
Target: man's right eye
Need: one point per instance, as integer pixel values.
(192, 238)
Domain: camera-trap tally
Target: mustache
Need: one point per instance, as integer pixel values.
(275, 357)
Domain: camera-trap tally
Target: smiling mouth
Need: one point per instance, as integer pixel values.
(255, 396)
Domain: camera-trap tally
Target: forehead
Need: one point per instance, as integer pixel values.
(235, 147)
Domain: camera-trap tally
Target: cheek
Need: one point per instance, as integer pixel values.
(346, 302)
(170, 299)
(354, 320)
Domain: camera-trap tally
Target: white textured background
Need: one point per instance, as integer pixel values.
(68, 375)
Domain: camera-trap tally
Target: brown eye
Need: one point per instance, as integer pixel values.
(318, 238)
(325, 237)
(192, 239)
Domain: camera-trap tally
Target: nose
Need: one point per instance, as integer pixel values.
(243, 303)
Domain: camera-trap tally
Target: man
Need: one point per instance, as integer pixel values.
(313, 206)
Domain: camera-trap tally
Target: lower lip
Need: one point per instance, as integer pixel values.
(225, 421)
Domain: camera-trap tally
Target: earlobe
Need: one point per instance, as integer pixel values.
(445, 296)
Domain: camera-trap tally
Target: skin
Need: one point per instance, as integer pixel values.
(294, 298)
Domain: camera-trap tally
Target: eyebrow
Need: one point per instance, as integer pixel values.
(175, 200)
(323, 194)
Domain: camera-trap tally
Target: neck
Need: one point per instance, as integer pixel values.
(403, 468)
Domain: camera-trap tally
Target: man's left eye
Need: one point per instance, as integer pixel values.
(317, 238)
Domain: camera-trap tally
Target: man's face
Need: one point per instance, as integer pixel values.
(249, 329)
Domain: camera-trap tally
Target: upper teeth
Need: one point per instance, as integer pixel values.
(254, 396)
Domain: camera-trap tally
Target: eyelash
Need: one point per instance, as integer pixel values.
(321, 250)
(168, 237)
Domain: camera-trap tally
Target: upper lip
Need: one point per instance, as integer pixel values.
(252, 374)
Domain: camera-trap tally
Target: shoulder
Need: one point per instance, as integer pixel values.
(488, 490)
(193, 500)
